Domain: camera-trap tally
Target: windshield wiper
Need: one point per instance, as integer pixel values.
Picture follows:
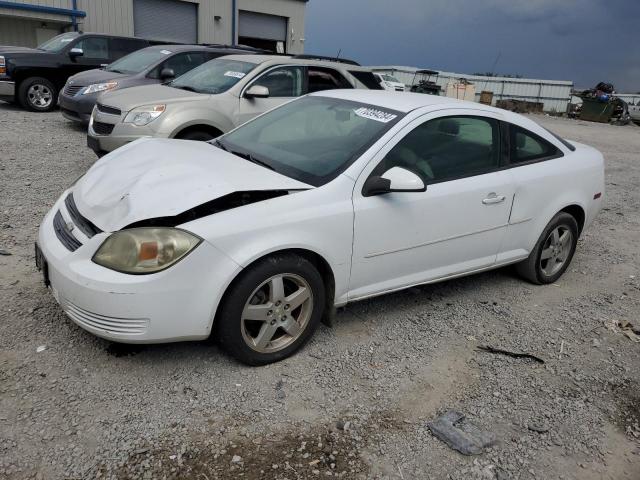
(252, 159)
(220, 145)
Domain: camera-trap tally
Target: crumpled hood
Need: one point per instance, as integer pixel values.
(133, 97)
(152, 178)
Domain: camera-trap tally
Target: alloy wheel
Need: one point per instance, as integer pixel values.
(556, 250)
(277, 313)
(40, 96)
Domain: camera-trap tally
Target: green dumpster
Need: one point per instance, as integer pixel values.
(595, 111)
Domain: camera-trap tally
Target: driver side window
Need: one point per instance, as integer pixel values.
(447, 148)
(283, 82)
(94, 48)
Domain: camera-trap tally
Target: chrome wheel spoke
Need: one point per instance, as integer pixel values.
(547, 253)
(258, 312)
(292, 328)
(276, 289)
(297, 298)
(564, 238)
(265, 335)
(555, 237)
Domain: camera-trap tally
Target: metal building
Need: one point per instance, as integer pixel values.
(554, 94)
(273, 24)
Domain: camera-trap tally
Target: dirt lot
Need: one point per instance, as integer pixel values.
(354, 403)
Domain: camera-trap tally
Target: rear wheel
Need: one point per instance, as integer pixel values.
(271, 310)
(553, 252)
(37, 94)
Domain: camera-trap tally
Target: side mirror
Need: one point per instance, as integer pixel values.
(257, 91)
(396, 179)
(167, 73)
(75, 53)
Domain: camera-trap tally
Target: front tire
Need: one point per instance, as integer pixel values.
(271, 310)
(37, 94)
(553, 252)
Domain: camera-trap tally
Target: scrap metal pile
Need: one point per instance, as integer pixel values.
(600, 104)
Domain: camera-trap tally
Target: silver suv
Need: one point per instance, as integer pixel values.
(215, 98)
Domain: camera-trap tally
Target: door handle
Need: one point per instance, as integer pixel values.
(493, 198)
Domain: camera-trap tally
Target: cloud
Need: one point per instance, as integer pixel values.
(581, 40)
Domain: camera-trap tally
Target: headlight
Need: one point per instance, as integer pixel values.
(145, 250)
(100, 87)
(144, 115)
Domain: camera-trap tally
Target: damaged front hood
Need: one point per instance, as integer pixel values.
(152, 178)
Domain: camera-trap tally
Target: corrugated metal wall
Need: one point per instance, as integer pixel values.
(555, 94)
(116, 17)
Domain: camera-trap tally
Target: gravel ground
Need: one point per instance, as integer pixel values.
(354, 403)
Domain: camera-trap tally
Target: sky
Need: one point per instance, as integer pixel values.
(586, 41)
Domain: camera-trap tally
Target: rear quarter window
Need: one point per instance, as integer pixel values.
(526, 146)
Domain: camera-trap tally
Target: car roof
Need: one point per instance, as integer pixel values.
(403, 101)
(259, 59)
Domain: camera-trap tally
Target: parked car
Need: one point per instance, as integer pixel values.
(33, 77)
(335, 197)
(634, 113)
(214, 98)
(149, 66)
(389, 83)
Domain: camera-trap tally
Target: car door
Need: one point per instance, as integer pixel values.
(95, 53)
(455, 226)
(284, 82)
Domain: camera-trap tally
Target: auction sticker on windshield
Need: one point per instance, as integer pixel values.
(234, 74)
(373, 114)
(165, 52)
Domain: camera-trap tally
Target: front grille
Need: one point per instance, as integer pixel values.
(71, 90)
(114, 325)
(64, 235)
(88, 228)
(103, 128)
(108, 110)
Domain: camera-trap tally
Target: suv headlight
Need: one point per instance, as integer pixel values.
(144, 115)
(145, 250)
(100, 87)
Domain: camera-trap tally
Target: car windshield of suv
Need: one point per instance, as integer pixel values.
(389, 78)
(213, 77)
(138, 61)
(312, 139)
(58, 43)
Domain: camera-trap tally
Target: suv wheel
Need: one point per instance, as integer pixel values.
(271, 310)
(37, 94)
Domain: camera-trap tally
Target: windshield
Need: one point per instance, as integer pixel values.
(58, 43)
(138, 61)
(312, 139)
(216, 76)
(389, 78)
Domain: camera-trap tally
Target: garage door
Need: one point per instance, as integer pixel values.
(167, 20)
(261, 25)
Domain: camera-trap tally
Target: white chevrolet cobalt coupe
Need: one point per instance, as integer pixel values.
(255, 237)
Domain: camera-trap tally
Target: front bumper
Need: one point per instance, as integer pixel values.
(77, 107)
(7, 90)
(173, 305)
(121, 133)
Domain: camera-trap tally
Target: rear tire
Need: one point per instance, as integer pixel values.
(37, 94)
(271, 310)
(198, 135)
(553, 251)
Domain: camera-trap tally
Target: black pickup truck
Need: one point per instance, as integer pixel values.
(34, 76)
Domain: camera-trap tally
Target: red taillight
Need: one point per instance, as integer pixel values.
(597, 195)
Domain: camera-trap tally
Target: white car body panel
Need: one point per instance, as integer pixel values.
(121, 189)
(372, 244)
